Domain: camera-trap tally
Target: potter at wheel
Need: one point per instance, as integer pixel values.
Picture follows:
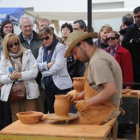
(61, 107)
(100, 99)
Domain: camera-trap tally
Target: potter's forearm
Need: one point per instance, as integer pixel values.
(109, 89)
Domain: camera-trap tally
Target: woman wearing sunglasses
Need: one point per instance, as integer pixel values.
(122, 56)
(18, 64)
(5, 112)
(52, 64)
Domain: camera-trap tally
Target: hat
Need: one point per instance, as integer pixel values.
(75, 37)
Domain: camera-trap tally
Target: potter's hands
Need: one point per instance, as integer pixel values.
(50, 64)
(82, 105)
(73, 96)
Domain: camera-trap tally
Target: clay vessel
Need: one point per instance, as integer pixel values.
(61, 105)
(30, 117)
(78, 83)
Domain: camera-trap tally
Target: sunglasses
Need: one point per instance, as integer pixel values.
(44, 38)
(11, 45)
(112, 38)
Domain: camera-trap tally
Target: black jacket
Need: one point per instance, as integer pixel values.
(133, 33)
(33, 46)
(75, 68)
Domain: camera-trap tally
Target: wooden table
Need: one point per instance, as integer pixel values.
(130, 104)
(130, 95)
(46, 130)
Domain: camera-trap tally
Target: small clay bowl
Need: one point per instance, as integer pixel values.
(30, 117)
(125, 91)
(134, 93)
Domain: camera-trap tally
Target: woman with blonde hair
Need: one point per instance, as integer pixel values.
(101, 42)
(18, 65)
(5, 111)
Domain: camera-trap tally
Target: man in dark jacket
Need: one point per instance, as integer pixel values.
(76, 68)
(131, 42)
(127, 22)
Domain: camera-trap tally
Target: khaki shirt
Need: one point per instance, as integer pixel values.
(104, 68)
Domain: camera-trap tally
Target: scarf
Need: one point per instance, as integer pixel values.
(16, 60)
(47, 57)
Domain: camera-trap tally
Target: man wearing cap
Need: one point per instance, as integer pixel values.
(100, 99)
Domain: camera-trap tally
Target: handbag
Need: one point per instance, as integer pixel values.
(18, 92)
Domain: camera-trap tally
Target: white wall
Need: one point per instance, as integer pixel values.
(105, 1)
(61, 5)
(132, 3)
(17, 3)
(47, 5)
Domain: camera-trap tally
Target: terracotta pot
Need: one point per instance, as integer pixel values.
(78, 83)
(61, 105)
(30, 117)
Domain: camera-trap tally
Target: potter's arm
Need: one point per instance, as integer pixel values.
(109, 89)
(75, 96)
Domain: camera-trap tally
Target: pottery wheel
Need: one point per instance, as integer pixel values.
(70, 116)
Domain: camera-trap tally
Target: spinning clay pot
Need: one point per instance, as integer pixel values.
(61, 105)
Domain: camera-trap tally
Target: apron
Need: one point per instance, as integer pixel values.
(95, 114)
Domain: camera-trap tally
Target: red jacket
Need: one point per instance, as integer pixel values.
(123, 57)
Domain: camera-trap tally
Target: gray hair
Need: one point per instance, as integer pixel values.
(27, 17)
(81, 23)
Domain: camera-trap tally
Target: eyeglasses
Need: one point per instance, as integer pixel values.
(112, 38)
(45, 38)
(11, 45)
